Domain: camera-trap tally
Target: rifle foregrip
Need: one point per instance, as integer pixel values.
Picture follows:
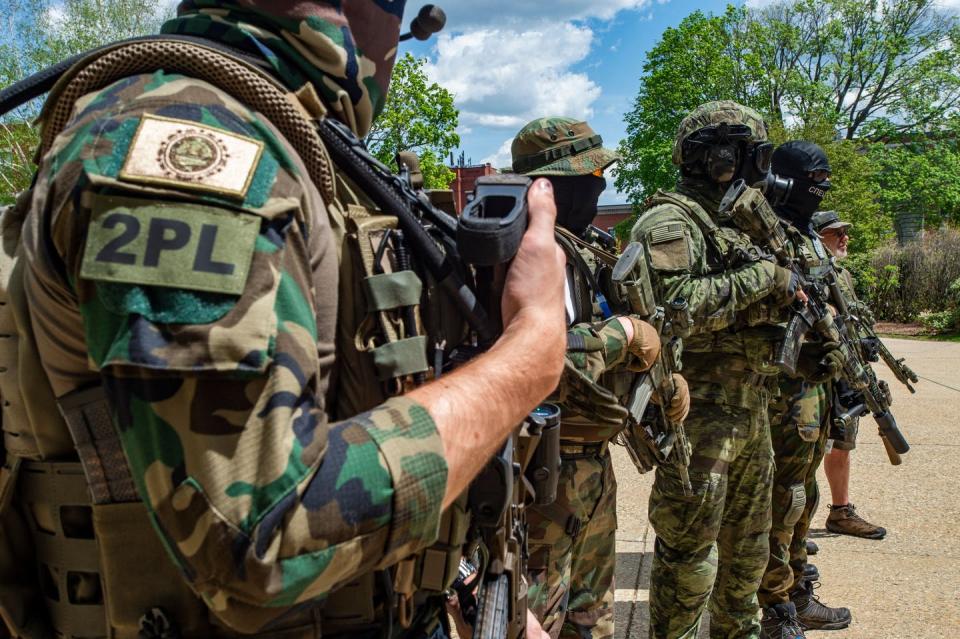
(892, 455)
(891, 433)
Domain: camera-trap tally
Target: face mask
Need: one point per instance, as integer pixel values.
(576, 197)
(803, 201)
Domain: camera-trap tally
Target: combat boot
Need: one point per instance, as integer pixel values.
(844, 520)
(812, 548)
(780, 622)
(810, 573)
(813, 614)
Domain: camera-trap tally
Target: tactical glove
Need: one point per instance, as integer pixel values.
(885, 389)
(679, 406)
(870, 347)
(786, 283)
(645, 345)
(819, 363)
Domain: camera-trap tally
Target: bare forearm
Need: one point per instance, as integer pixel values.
(477, 406)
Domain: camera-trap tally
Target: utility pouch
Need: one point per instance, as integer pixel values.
(138, 575)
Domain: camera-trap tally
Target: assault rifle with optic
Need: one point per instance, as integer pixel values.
(750, 211)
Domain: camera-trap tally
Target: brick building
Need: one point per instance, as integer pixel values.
(609, 215)
(466, 178)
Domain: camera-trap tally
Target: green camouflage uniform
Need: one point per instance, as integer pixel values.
(712, 545)
(799, 426)
(199, 285)
(572, 541)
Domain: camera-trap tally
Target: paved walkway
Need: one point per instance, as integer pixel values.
(905, 586)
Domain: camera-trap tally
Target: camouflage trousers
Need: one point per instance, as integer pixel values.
(712, 545)
(572, 551)
(799, 426)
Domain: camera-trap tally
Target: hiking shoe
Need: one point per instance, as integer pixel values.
(812, 548)
(780, 622)
(814, 615)
(844, 520)
(810, 573)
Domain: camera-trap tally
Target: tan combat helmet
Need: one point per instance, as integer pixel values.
(559, 146)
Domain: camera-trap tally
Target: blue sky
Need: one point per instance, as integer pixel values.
(508, 61)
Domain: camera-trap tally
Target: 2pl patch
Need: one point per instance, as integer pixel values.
(178, 245)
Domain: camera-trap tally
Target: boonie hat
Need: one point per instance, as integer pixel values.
(559, 146)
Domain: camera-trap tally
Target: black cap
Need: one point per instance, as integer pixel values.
(796, 158)
(823, 220)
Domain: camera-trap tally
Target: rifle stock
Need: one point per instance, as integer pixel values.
(666, 437)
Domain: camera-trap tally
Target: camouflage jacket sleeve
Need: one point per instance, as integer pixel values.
(594, 351)
(190, 263)
(677, 255)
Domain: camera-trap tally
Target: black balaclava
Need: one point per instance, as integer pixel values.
(576, 197)
(795, 160)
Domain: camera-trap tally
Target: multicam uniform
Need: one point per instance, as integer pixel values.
(180, 261)
(799, 426)
(713, 544)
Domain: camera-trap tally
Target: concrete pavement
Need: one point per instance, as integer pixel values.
(905, 586)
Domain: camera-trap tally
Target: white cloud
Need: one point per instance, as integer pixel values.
(506, 77)
(502, 158)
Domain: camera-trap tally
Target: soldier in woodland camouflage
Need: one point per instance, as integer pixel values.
(711, 545)
(179, 293)
(572, 541)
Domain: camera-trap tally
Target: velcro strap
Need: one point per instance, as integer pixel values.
(579, 343)
(401, 358)
(529, 163)
(392, 290)
(87, 414)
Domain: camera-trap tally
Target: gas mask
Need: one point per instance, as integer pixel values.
(576, 197)
(726, 152)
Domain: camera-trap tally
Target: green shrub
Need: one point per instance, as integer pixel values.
(900, 283)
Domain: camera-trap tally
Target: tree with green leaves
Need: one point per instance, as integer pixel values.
(704, 58)
(874, 68)
(854, 76)
(419, 116)
(38, 33)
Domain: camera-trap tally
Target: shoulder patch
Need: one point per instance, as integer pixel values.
(666, 233)
(191, 156)
(668, 248)
(172, 244)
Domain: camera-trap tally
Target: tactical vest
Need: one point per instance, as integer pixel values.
(727, 247)
(589, 297)
(102, 569)
(740, 354)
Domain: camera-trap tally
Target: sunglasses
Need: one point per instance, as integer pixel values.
(839, 233)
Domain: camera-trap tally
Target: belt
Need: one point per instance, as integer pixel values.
(582, 450)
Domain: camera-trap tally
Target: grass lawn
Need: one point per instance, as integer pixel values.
(946, 337)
